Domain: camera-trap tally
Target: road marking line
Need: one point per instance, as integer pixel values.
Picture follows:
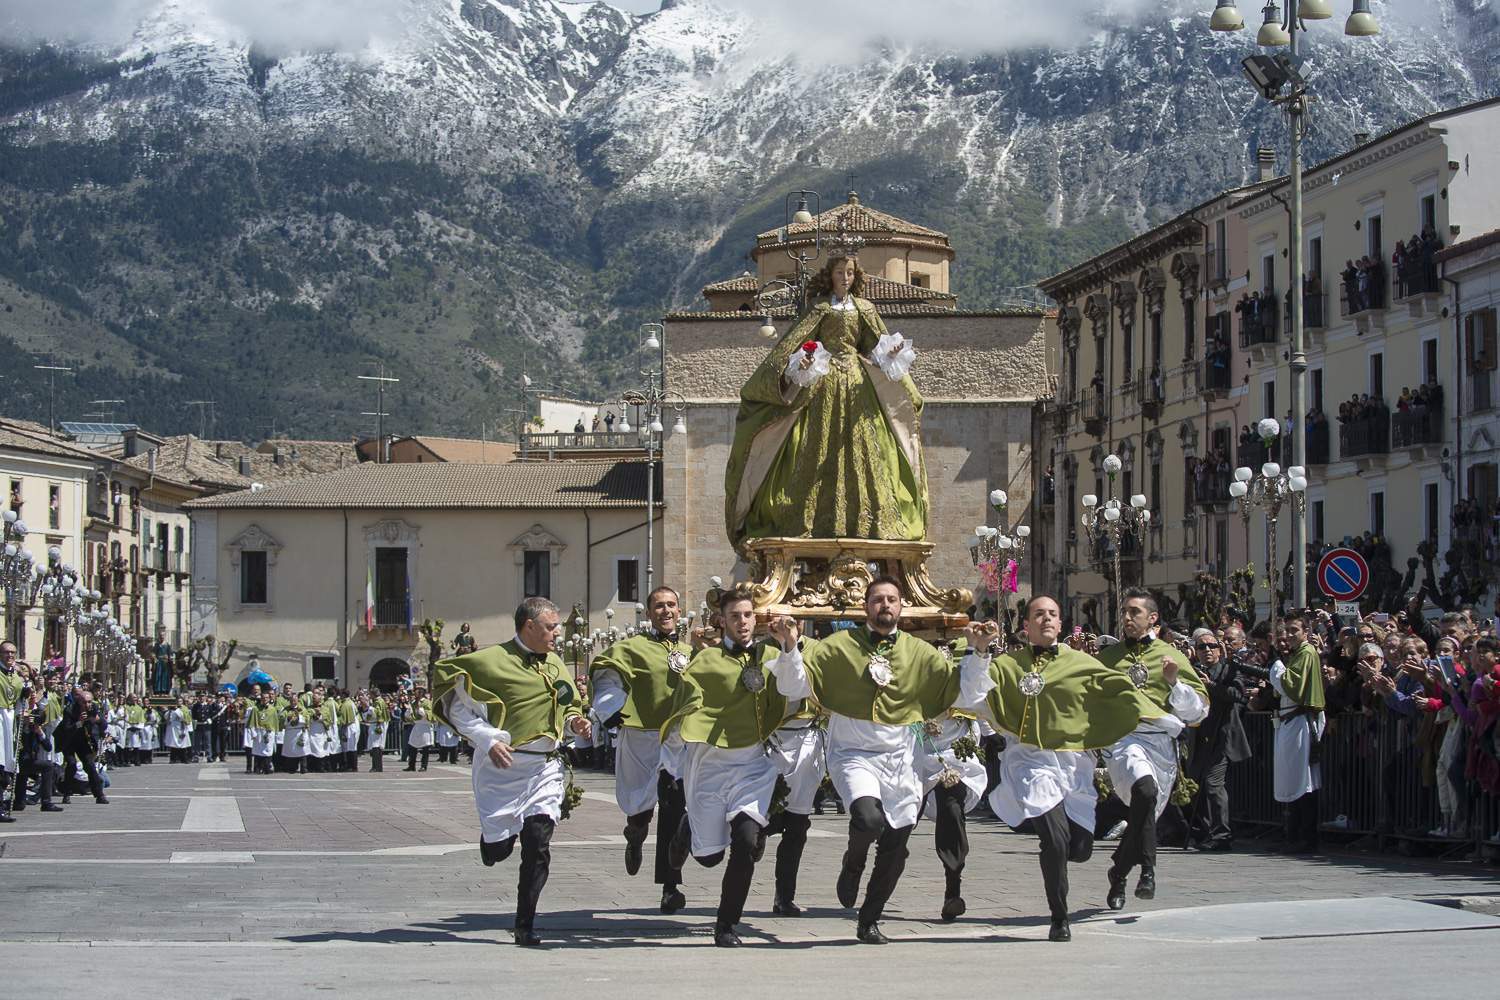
(219, 773)
(213, 815)
(211, 858)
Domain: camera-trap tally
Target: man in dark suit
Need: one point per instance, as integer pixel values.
(1219, 741)
(76, 739)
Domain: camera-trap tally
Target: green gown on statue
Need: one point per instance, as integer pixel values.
(839, 459)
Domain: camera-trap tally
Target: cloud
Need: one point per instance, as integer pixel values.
(274, 25)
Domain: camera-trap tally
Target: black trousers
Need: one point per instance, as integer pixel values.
(950, 834)
(1138, 845)
(794, 827)
(1302, 821)
(671, 802)
(411, 756)
(1062, 841)
(217, 737)
(536, 865)
(41, 770)
(1210, 821)
(744, 832)
(867, 827)
(77, 751)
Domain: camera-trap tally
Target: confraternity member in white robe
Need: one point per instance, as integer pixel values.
(446, 739)
(633, 683)
(1143, 765)
(875, 682)
(422, 736)
(11, 686)
(515, 702)
(294, 738)
(1054, 706)
(725, 708)
(178, 731)
(1297, 679)
(322, 732)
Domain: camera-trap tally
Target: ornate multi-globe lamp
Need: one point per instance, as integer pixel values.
(1112, 521)
(1269, 490)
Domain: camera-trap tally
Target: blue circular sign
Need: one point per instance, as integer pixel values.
(1343, 574)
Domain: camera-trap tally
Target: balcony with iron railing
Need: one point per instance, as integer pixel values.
(1214, 377)
(1153, 393)
(1211, 487)
(1259, 325)
(1363, 292)
(1420, 425)
(1093, 409)
(1314, 310)
(1317, 443)
(1366, 435)
(392, 612)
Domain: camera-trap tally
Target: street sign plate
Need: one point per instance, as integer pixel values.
(1343, 574)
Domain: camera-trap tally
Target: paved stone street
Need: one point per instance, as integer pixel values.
(199, 875)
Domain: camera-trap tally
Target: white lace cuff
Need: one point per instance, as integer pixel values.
(816, 366)
(894, 354)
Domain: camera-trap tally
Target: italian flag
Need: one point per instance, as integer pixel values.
(369, 598)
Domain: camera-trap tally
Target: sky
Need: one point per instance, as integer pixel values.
(846, 27)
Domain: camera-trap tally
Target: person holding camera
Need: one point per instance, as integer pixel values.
(77, 742)
(35, 758)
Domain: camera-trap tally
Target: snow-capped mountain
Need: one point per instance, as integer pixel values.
(477, 181)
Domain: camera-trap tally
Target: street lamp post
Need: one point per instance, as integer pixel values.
(1114, 522)
(991, 545)
(776, 290)
(653, 401)
(1269, 490)
(1270, 75)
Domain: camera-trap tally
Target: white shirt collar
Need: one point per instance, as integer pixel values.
(845, 304)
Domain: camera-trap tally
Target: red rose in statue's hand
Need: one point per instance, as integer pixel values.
(810, 346)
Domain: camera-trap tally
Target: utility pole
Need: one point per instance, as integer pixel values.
(381, 454)
(52, 371)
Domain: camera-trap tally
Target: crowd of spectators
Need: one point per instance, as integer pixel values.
(1364, 285)
(1258, 320)
(1414, 263)
(1364, 426)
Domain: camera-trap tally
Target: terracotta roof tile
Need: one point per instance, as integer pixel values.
(857, 218)
(418, 485)
(23, 435)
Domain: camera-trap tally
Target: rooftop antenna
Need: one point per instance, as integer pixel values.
(382, 453)
(108, 411)
(52, 371)
(205, 409)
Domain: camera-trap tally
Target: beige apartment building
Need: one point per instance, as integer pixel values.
(1385, 331)
(329, 577)
(1149, 370)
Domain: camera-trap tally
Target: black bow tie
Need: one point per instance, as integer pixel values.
(1037, 652)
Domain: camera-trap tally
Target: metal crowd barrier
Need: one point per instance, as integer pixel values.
(1373, 787)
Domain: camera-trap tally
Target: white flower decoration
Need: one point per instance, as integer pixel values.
(999, 498)
(1112, 464)
(1268, 428)
(803, 369)
(894, 354)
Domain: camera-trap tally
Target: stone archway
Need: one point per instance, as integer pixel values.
(386, 674)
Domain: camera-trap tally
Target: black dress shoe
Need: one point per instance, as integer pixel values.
(1059, 931)
(681, 846)
(1116, 896)
(1145, 886)
(1217, 846)
(7, 818)
(66, 799)
(785, 908)
(725, 937)
(953, 908)
(870, 934)
(101, 801)
(672, 899)
(848, 885)
(488, 853)
(526, 937)
(49, 807)
(633, 849)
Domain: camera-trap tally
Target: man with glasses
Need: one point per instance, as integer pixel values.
(1218, 742)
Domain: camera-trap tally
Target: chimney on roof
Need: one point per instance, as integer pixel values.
(854, 197)
(277, 456)
(244, 465)
(1360, 138)
(1265, 158)
(218, 449)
